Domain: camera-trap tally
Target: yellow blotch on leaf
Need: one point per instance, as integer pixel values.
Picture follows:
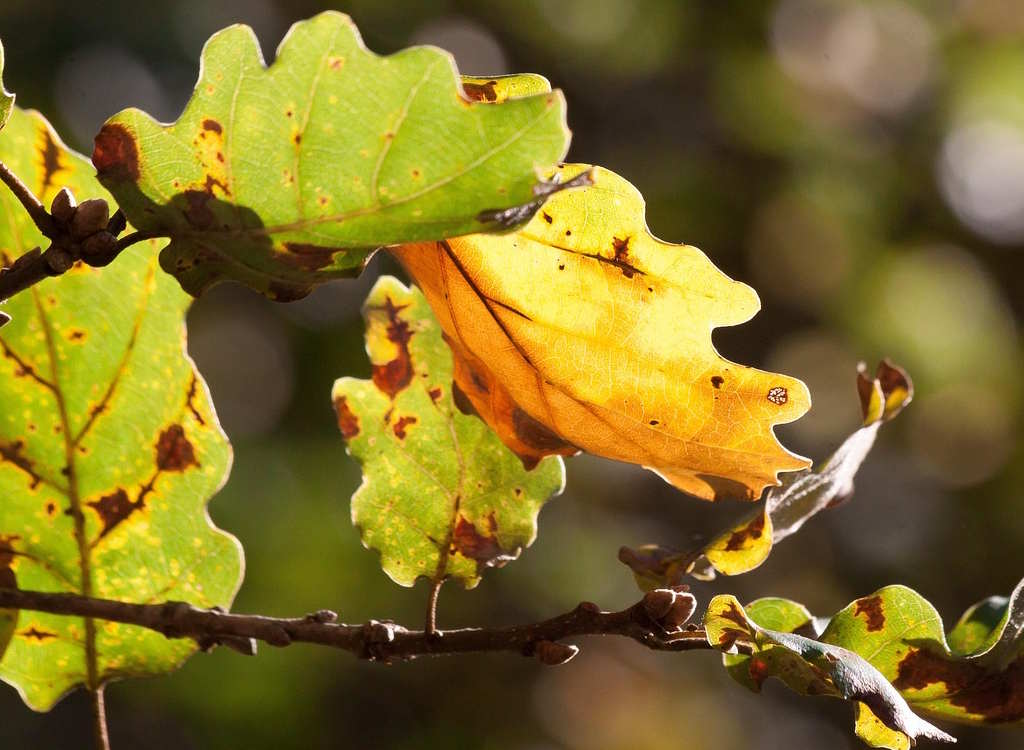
(582, 331)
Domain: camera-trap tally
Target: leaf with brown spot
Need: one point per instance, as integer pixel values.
(902, 635)
(587, 333)
(441, 497)
(801, 495)
(287, 176)
(812, 667)
(109, 448)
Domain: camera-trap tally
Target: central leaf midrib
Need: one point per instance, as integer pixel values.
(74, 498)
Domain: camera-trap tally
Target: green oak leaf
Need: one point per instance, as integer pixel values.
(901, 634)
(813, 667)
(6, 98)
(747, 542)
(442, 497)
(109, 447)
(286, 176)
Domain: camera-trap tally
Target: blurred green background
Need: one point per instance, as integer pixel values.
(861, 164)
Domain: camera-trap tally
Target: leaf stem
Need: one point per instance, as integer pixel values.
(430, 628)
(99, 718)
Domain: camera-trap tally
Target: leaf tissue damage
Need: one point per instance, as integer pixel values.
(582, 331)
(441, 497)
(109, 448)
(286, 176)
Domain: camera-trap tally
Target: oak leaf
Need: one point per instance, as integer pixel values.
(441, 496)
(109, 448)
(287, 176)
(582, 331)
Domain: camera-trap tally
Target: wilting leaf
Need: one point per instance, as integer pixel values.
(288, 176)
(772, 613)
(109, 448)
(811, 667)
(901, 634)
(749, 541)
(582, 331)
(441, 496)
(6, 98)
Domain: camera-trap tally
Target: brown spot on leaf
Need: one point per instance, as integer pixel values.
(51, 508)
(717, 381)
(115, 154)
(348, 422)
(778, 395)
(13, 453)
(76, 335)
(297, 139)
(481, 92)
(335, 63)
(113, 509)
(872, 609)
(190, 400)
(395, 375)
(547, 216)
(213, 125)
(752, 530)
(435, 394)
(400, 426)
(36, 634)
(49, 160)
(309, 257)
(173, 450)
(468, 541)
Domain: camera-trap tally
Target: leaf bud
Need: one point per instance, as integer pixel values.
(99, 249)
(63, 206)
(90, 217)
(553, 654)
(669, 609)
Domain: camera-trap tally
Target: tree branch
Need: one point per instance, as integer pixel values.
(646, 622)
(36, 265)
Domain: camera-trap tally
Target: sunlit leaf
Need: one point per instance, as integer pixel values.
(901, 634)
(582, 331)
(109, 447)
(442, 497)
(748, 542)
(811, 667)
(288, 176)
(6, 98)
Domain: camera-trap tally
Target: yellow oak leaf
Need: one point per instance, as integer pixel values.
(582, 331)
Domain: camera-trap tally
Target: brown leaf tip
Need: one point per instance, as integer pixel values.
(115, 154)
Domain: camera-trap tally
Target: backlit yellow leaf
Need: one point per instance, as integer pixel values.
(582, 331)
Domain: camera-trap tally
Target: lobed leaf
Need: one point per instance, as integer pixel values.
(748, 542)
(441, 497)
(900, 634)
(581, 331)
(812, 667)
(109, 448)
(286, 176)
